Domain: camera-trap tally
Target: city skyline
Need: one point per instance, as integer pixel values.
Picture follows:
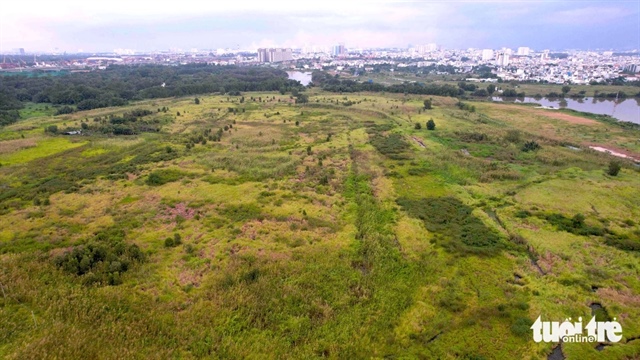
(143, 27)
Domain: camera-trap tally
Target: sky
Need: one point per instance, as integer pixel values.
(95, 26)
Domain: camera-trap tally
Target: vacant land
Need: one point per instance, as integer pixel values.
(251, 226)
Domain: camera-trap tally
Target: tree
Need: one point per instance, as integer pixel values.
(614, 168)
(491, 89)
(431, 125)
(428, 104)
(197, 101)
(301, 99)
(418, 126)
(481, 93)
(566, 89)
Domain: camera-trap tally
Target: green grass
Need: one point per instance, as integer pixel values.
(45, 147)
(366, 245)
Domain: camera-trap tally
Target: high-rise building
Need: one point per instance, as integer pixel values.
(523, 51)
(503, 59)
(507, 51)
(545, 55)
(338, 50)
(487, 54)
(274, 55)
(423, 49)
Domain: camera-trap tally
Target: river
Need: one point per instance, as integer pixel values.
(625, 110)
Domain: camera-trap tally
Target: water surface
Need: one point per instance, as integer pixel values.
(623, 109)
(303, 77)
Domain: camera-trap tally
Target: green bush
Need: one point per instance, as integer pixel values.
(614, 168)
(431, 125)
(101, 260)
(574, 225)
(459, 230)
(161, 177)
(168, 242)
(522, 327)
(530, 146)
(173, 241)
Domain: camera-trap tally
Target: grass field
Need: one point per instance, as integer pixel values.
(254, 227)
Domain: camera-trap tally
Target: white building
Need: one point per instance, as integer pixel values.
(423, 49)
(523, 51)
(274, 55)
(502, 60)
(487, 54)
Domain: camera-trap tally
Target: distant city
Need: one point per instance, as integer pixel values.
(521, 64)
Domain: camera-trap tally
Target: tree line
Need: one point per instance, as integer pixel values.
(118, 85)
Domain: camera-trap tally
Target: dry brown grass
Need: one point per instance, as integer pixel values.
(10, 146)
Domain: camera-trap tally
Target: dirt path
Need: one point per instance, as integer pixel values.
(621, 153)
(419, 142)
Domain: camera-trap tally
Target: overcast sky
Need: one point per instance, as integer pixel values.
(159, 25)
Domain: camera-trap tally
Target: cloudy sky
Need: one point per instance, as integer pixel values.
(158, 25)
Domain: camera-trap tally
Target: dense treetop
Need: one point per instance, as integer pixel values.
(118, 85)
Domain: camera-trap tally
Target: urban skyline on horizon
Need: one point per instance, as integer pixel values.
(301, 48)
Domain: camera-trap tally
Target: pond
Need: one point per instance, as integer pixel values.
(303, 77)
(623, 109)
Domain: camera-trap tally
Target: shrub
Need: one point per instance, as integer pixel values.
(614, 168)
(530, 146)
(161, 177)
(574, 225)
(431, 125)
(417, 126)
(65, 110)
(459, 230)
(521, 327)
(102, 260)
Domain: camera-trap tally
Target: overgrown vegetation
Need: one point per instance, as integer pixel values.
(457, 228)
(326, 229)
(102, 260)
